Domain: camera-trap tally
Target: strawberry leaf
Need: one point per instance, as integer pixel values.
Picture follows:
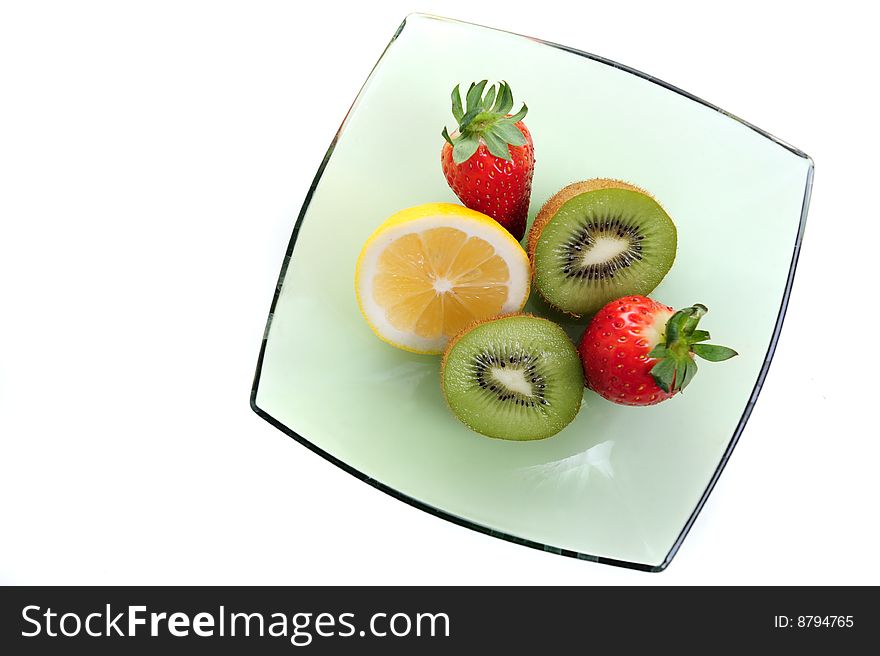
(713, 353)
(475, 92)
(499, 98)
(496, 146)
(699, 336)
(675, 325)
(465, 148)
(694, 314)
(664, 374)
(510, 134)
(504, 101)
(520, 115)
(690, 370)
(489, 99)
(457, 110)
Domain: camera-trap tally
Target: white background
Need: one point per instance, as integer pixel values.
(153, 158)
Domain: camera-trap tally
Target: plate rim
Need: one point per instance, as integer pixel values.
(442, 514)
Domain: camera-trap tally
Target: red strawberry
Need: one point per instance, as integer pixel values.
(489, 161)
(637, 351)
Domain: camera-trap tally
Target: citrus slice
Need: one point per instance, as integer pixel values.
(431, 270)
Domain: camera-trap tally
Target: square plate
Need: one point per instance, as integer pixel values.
(620, 485)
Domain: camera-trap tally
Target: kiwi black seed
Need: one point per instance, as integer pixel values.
(598, 240)
(517, 377)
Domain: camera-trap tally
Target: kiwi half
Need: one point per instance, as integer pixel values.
(517, 377)
(598, 240)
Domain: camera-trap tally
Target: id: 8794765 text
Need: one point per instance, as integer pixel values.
(813, 622)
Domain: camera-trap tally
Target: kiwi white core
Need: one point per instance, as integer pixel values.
(513, 379)
(604, 249)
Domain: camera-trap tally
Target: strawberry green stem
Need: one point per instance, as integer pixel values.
(676, 366)
(484, 118)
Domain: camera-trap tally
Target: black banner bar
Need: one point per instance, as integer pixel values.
(115, 620)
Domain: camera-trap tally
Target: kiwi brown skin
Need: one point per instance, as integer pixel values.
(557, 200)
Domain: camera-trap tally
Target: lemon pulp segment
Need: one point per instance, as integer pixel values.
(439, 281)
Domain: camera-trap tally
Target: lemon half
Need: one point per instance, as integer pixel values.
(429, 271)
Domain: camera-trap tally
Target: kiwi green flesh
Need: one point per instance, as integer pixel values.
(515, 378)
(601, 245)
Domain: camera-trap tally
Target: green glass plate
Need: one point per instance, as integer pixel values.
(620, 485)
